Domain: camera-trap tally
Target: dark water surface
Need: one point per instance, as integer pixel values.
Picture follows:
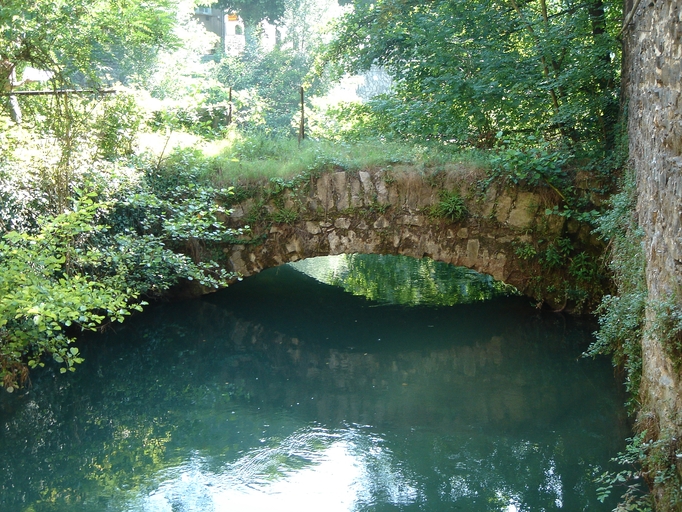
(285, 394)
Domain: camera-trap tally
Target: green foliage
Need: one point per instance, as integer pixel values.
(635, 498)
(527, 67)
(131, 237)
(557, 253)
(563, 274)
(584, 268)
(349, 121)
(621, 316)
(378, 207)
(590, 217)
(666, 327)
(76, 272)
(651, 459)
(451, 206)
(532, 167)
(85, 40)
(52, 280)
(266, 88)
(285, 216)
(525, 251)
(258, 213)
(117, 127)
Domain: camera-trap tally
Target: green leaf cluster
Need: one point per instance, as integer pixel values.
(464, 71)
(532, 167)
(451, 206)
(621, 316)
(51, 281)
(94, 263)
(86, 41)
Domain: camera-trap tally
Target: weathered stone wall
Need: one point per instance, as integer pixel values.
(380, 212)
(654, 88)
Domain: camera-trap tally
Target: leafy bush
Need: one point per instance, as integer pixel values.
(129, 239)
(557, 253)
(532, 167)
(451, 206)
(635, 498)
(53, 280)
(117, 126)
(285, 216)
(621, 317)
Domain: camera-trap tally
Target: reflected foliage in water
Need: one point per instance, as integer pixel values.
(393, 279)
(284, 394)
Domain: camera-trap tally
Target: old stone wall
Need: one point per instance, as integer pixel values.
(384, 211)
(654, 87)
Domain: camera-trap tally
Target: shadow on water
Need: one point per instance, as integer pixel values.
(284, 393)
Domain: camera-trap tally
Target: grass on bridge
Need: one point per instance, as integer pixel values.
(247, 158)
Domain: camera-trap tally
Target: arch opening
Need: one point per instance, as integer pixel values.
(403, 280)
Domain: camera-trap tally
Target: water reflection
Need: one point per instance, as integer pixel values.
(282, 393)
(313, 469)
(403, 280)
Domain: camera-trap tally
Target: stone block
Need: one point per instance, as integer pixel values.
(502, 208)
(342, 223)
(356, 193)
(340, 190)
(472, 249)
(488, 206)
(381, 223)
(367, 185)
(382, 191)
(412, 220)
(294, 245)
(313, 228)
(523, 213)
(394, 195)
(335, 245)
(238, 264)
(324, 192)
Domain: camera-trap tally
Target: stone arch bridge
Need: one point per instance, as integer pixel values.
(396, 211)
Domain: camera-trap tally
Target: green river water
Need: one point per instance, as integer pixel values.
(284, 393)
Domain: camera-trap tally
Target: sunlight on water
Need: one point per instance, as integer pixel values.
(311, 470)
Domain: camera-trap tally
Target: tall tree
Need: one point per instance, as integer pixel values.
(468, 69)
(82, 40)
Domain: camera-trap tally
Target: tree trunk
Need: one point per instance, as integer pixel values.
(608, 116)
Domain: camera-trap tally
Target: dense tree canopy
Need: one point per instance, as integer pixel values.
(469, 69)
(85, 39)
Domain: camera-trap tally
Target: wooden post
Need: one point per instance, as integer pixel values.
(301, 128)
